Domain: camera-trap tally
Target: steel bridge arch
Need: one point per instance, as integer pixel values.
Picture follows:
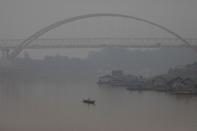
(46, 29)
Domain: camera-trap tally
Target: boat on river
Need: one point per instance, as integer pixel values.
(89, 101)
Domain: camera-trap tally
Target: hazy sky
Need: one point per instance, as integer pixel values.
(21, 18)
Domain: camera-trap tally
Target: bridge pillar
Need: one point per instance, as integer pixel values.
(5, 52)
(5, 63)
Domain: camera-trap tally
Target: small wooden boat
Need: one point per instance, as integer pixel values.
(88, 101)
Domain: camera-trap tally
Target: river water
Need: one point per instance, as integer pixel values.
(57, 106)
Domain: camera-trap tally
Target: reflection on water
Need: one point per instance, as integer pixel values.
(57, 105)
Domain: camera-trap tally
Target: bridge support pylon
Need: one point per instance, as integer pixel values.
(5, 61)
(5, 53)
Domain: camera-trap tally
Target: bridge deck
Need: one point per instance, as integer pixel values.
(98, 43)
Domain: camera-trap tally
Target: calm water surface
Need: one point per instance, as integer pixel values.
(57, 106)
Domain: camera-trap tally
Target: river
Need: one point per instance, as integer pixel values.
(57, 106)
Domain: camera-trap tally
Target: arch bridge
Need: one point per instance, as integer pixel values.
(46, 29)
